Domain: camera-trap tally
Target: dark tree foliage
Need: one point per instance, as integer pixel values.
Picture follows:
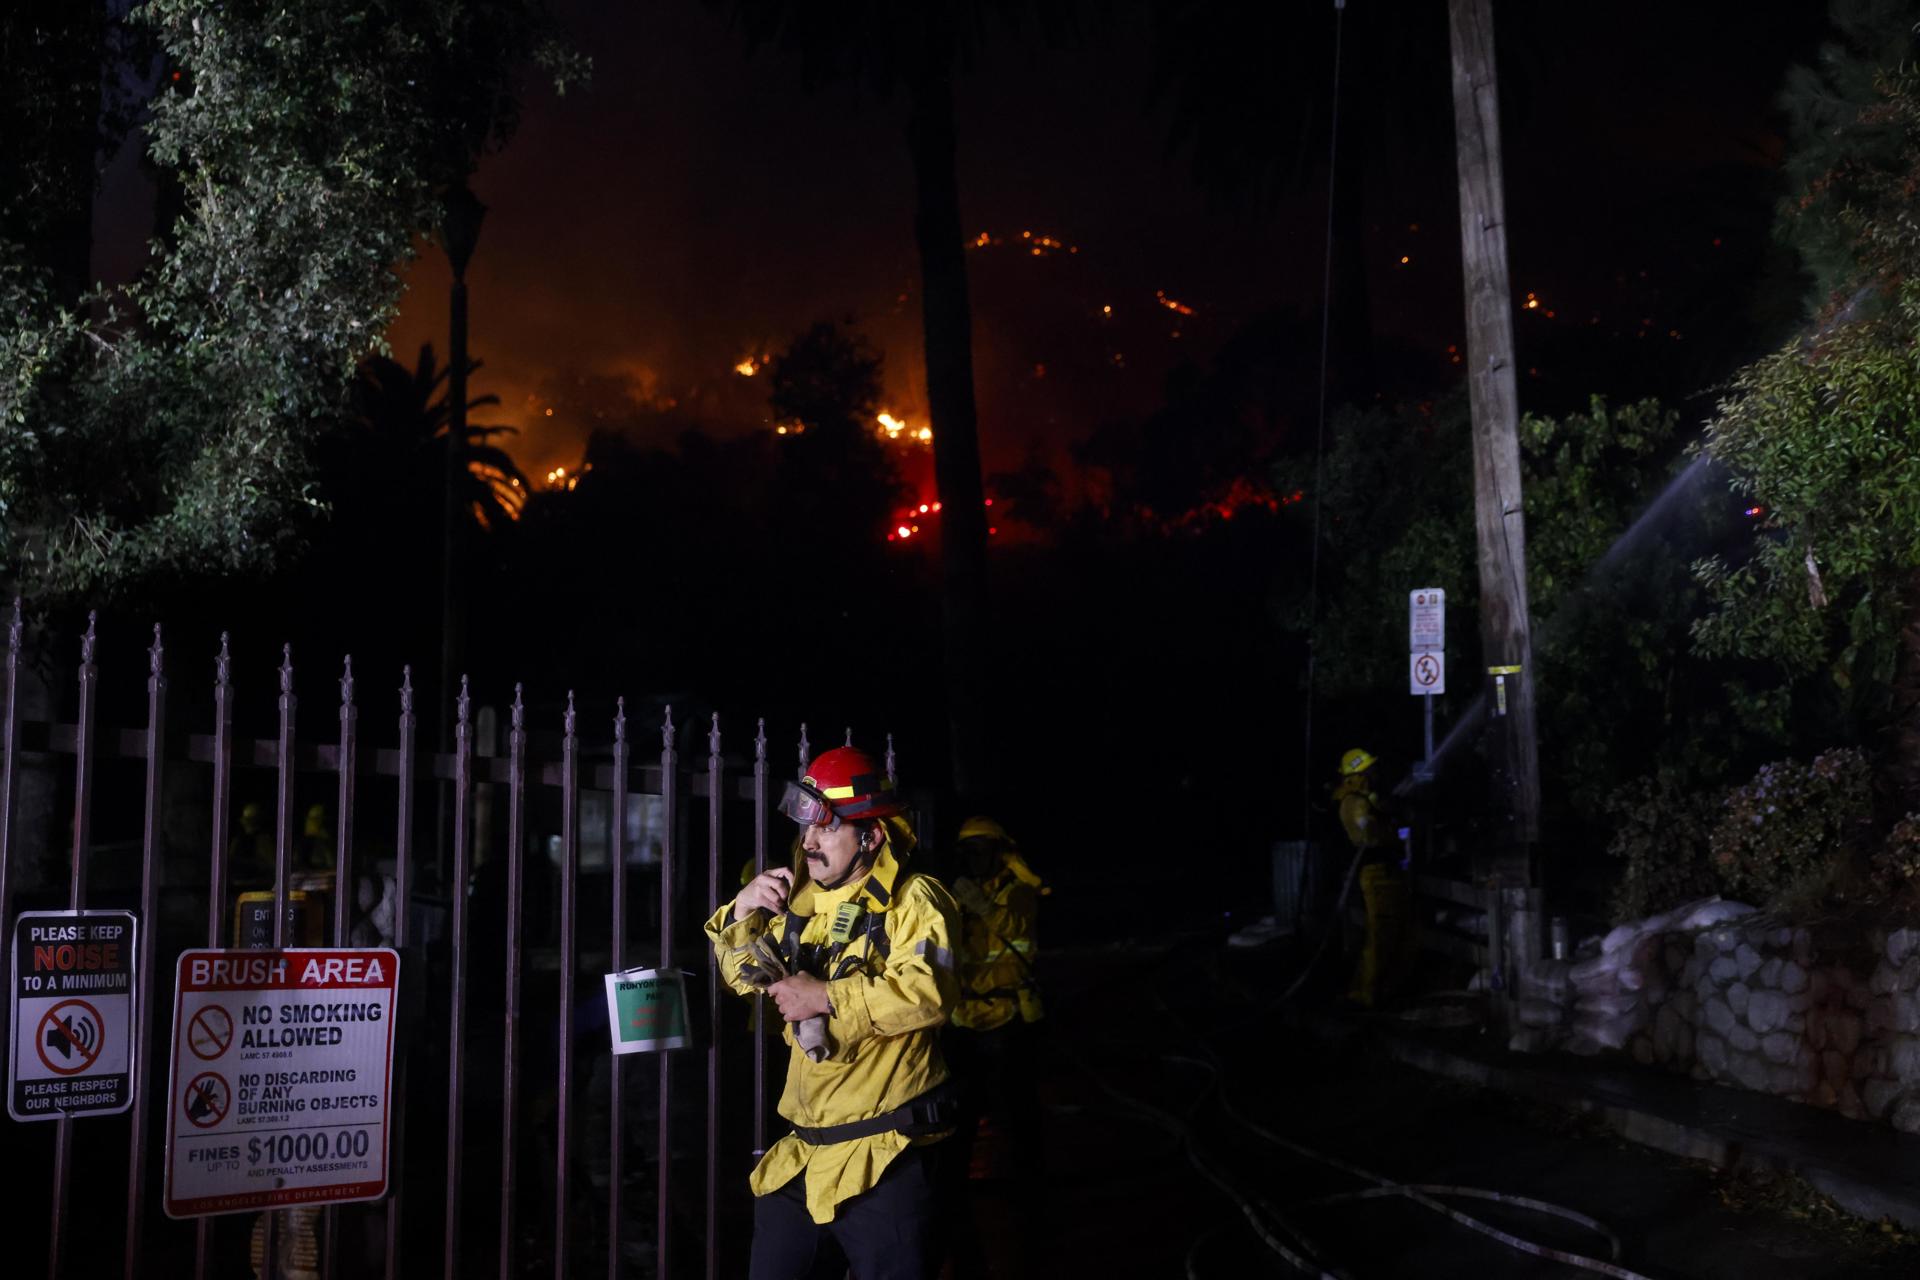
(1613, 515)
(1823, 434)
(167, 427)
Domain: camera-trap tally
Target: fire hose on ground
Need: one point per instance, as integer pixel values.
(1270, 1225)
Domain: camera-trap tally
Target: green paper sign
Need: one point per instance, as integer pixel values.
(648, 1010)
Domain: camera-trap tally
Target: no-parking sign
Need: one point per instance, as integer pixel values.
(282, 1076)
(72, 1051)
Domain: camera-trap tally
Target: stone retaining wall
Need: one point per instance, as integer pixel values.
(1713, 990)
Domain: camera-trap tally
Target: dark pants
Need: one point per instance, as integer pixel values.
(991, 1163)
(887, 1232)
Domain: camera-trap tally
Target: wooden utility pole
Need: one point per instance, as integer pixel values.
(1499, 519)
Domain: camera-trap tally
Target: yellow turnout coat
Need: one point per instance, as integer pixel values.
(883, 1047)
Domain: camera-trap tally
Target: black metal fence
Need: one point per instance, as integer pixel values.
(456, 1200)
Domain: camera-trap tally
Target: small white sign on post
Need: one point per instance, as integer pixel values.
(282, 1078)
(1427, 672)
(1427, 641)
(1426, 619)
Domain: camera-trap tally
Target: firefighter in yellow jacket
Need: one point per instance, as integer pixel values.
(1383, 886)
(856, 950)
(999, 897)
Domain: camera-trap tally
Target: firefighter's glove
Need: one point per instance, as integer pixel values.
(972, 898)
(768, 967)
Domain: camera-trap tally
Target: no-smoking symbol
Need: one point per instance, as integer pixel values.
(210, 1032)
(207, 1099)
(1426, 670)
(73, 1030)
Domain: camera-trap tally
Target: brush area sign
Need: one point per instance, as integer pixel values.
(282, 1078)
(73, 990)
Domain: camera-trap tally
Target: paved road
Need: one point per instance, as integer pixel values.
(1139, 1078)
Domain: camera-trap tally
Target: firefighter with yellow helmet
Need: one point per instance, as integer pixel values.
(999, 897)
(856, 949)
(1383, 886)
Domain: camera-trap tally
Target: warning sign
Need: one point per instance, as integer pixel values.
(73, 996)
(1426, 618)
(281, 1079)
(1427, 672)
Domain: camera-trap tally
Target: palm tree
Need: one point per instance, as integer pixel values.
(910, 51)
(400, 424)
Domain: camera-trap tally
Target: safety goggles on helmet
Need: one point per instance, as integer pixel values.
(808, 807)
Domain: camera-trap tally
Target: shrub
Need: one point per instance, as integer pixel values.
(1662, 834)
(1896, 867)
(1791, 831)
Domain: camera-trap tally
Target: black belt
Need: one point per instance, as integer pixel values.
(931, 1112)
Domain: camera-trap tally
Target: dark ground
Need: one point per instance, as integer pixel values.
(1121, 1197)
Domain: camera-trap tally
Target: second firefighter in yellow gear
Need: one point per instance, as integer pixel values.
(999, 897)
(1383, 886)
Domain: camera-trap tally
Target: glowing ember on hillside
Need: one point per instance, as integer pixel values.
(1035, 244)
(906, 524)
(564, 478)
(893, 428)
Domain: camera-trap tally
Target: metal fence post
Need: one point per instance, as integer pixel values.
(149, 929)
(457, 1028)
(343, 896)
(217, 863)
(617, 851)
(759, 1006)
(516, 953)
(403, 905)
(77, 900)
(569, 961)
(716, 808)
(10, 745)
(669, 811)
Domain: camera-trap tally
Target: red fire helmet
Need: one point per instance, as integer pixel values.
(853, 783)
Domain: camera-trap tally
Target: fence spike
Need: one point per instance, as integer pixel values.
(223, 664)
(849, 741)
(519, 707)
(570, 720)
(760, 742)
(620, 719)
(87, 641)
(406, 689)
(15, 627)
(462, 704)
(806, 748)
(893, 772)
(286, 670)
(666, 730)
(155, 654)
(346, 683)
(713, 735)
